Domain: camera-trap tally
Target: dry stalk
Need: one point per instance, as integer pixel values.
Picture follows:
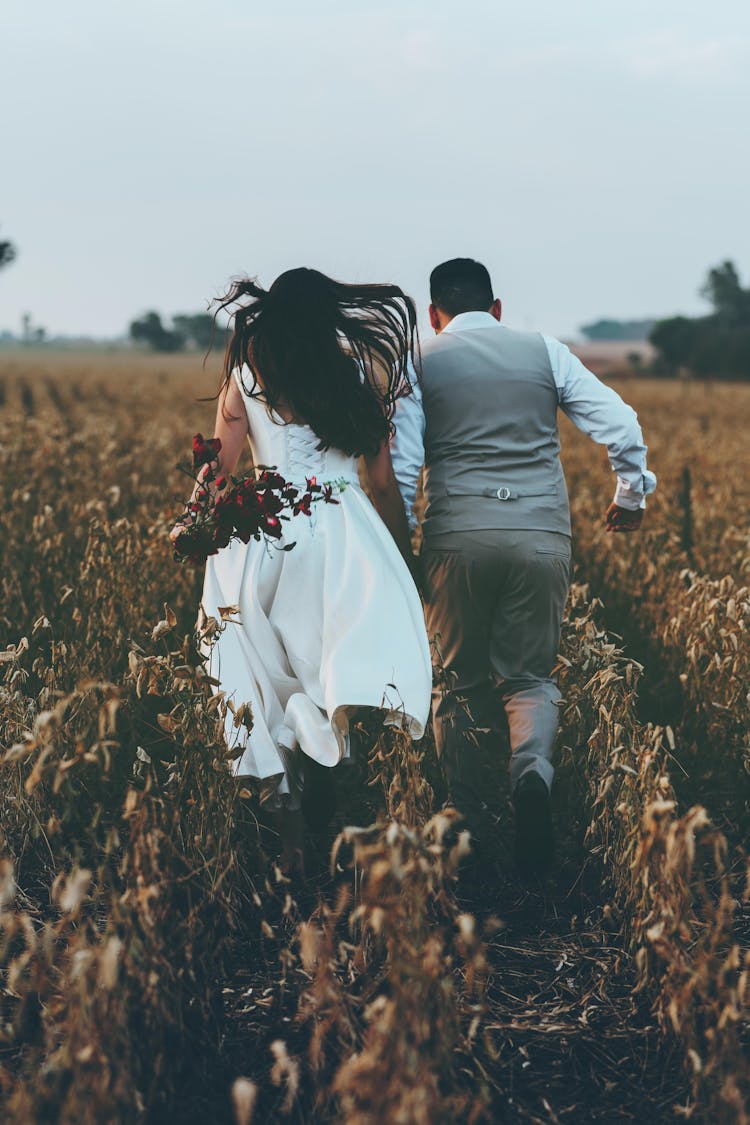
(397, 1003)
(665, 872)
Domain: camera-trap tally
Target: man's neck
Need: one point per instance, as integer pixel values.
(463, 322)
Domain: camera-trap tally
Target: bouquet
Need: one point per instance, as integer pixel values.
(240, 507)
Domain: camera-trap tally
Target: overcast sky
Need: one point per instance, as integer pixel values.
(594, 155)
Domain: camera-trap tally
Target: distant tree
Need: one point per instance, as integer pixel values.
(32, 333)
(628, 330)
(717, 344)
(150, 330)
(197, 329)
(7, 253)
(675, 340)
(723, 290)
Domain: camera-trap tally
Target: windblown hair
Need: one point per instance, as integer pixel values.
(336, 356)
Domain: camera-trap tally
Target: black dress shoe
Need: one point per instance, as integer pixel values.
(535, 841)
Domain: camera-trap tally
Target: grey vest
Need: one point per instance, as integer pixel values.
(492, 449)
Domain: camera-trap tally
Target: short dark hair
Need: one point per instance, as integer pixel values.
(461, 285)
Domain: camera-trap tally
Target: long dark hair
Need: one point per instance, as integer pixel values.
(335, 355)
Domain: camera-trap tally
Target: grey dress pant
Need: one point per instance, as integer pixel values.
(494, 604)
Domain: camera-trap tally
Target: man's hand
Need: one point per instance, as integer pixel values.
(623, 519)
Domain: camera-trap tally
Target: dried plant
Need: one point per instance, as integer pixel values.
(132, 877)
(414, 962)
(665, 872)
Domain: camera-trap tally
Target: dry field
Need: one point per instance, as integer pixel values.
(156, 966)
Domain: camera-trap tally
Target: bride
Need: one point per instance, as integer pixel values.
(311, 376)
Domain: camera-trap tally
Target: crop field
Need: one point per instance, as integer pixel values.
(157, 966)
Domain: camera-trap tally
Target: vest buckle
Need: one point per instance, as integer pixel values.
(503, 494)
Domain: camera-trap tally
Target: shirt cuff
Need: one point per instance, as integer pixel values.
(627, 497)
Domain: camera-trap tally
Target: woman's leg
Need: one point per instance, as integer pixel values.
(290, 826)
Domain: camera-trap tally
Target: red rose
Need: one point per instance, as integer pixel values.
(271, 503)
(194, 544)
(205, 451)
(248, 501)
(270, 479)
(272, 527)
(243, 508)
(222, 536)
(303, 505)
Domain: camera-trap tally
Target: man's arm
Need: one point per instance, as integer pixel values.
(598, 411)
(407, 446)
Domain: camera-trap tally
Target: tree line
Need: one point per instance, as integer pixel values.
(187, 331)
(717, 344)
(622, 331)
(714, 345)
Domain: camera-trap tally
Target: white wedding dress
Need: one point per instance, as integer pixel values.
(332, 625)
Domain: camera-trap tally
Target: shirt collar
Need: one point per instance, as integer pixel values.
(465, 321)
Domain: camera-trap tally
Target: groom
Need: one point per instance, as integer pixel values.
(496, 556)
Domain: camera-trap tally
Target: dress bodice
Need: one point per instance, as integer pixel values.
(290, 447)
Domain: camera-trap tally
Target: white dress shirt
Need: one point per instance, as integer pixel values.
(591, 405)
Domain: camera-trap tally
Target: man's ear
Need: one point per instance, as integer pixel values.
(496, 308)
(435, 318)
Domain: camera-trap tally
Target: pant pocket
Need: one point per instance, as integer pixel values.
(551, 552)
(556, 563)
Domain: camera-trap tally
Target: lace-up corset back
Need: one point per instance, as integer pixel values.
(292, 447)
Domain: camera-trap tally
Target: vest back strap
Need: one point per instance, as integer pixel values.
(503, 493)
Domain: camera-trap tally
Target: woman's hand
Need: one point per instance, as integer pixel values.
(177, 530)
(231, 428)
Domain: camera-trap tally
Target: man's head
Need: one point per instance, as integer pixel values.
(458, 286)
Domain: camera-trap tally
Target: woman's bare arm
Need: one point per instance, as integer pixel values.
(232, 435)
(386, 497)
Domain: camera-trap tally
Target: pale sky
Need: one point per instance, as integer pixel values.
(594, 155)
